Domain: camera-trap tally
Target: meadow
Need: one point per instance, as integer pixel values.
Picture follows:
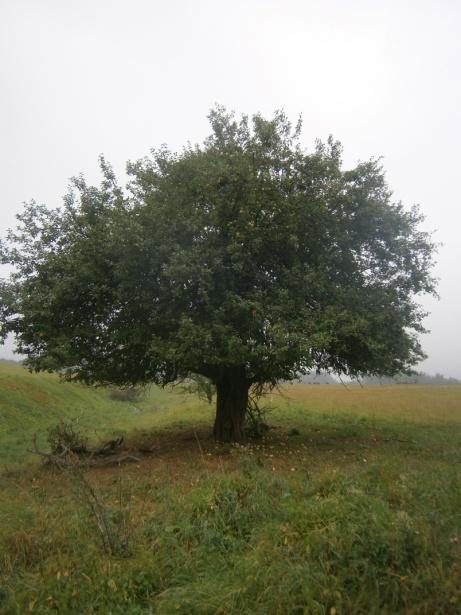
(350, 504)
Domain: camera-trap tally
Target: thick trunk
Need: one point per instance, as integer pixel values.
(231, 402)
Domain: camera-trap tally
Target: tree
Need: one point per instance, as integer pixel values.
(245, 260)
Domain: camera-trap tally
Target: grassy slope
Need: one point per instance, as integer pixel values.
(351, 505)
(31, 403)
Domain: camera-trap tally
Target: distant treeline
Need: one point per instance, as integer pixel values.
(418, 378)
(322, 378)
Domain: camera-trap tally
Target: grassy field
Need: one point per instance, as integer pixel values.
(351, 504)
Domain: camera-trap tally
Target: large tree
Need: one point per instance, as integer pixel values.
(246, 260)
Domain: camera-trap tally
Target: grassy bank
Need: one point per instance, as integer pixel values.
(32, 403)
(352, 504)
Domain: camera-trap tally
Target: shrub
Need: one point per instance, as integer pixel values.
(65, 437)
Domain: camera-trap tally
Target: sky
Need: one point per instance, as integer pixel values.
(119, 77)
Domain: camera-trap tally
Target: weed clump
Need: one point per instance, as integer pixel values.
(65, 437)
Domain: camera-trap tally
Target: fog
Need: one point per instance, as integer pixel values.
(116, 77)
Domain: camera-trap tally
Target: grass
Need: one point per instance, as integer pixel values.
(352, 504)
(31, 403)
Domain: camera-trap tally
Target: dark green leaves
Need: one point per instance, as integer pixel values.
(243, 252)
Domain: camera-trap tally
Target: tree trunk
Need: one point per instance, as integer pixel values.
(231, 402)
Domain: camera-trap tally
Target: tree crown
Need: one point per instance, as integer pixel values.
(243, 252)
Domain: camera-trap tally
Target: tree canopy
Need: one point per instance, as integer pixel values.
(246, 260)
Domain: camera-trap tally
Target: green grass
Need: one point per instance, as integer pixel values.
(31, 403)
(352, 504)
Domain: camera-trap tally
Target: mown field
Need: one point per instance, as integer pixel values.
(351, 504)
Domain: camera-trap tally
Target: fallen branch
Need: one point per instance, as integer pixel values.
(68, 459)
(108, 448)
(116, 460)
(57, 460)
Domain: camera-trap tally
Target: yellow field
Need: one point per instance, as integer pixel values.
(419, 403)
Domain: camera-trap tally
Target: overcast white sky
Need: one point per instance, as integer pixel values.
(79, 78)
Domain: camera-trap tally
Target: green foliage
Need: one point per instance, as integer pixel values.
(245, 252)
(199, 385)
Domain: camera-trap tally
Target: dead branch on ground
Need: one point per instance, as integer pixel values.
(107, 454)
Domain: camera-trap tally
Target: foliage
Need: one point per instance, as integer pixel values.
(199, 385)
(245, 260)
